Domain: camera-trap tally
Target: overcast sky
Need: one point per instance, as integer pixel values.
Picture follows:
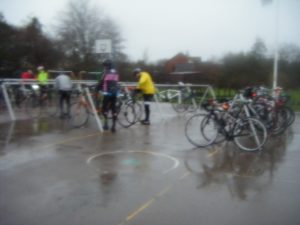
(162, 28)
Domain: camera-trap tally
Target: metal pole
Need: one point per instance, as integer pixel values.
(8, 103)
(276, 55)
(94, 109)
(158, 105)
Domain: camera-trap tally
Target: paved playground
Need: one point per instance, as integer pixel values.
(144, 175)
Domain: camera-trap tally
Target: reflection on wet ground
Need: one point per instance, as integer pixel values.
(243, 173)
(53, 174)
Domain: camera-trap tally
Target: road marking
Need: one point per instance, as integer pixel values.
(213, 153)
(152, 200)
(164, 191)
(174, 166)
(139, 210)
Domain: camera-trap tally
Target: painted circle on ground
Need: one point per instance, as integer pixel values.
(138, 162)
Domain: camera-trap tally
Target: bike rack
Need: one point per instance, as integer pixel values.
(209, 90)
(86, 89)
(8, 102)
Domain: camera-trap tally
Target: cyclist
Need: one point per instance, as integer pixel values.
(42, 78)
(146, 86)
(27, 75)
(109, 88)
(21, 91)
(64, 85)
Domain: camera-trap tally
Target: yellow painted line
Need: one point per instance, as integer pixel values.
(213, 153)
(152, 200)
(139, 210)
(184, 175)
(164, 191)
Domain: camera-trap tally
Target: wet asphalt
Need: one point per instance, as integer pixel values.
(52, 174)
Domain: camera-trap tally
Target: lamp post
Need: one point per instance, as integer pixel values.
(276, 54)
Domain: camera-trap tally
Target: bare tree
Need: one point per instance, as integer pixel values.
(78, 29)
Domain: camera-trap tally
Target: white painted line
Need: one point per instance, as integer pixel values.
(174, 166)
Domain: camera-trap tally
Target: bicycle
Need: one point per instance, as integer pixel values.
(205, 129)
(82, 109)
(182, 100)
(273, 112)
(127, 96)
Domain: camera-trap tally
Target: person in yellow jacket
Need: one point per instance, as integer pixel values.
(42, 77)
(146, 86)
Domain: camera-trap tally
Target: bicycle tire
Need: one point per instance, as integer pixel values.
(179, 107)
(290, 115)
(191, 104)
(220, 137)
(138, 108)
(201, 134)
(127, 115)
(249, 134)
(79, 115)
(279, 119)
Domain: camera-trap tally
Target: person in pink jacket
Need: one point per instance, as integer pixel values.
(109, 88)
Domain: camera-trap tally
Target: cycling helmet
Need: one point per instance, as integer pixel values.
(40, 68)
(107, 64)
(136, 71)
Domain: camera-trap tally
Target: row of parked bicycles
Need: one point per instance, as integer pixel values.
(249, 119)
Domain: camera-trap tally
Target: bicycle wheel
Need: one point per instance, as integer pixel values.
(191, 104)
(279, 121)
(290, 115)
(179, 105)
(249, 134)
(209, 119)
(201, 130)
(138, 109)
(79, 115)
(32, 107)
(127, 115)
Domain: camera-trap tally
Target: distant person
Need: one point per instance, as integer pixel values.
(21, 90)
(63, 84)
(109, 88)
(27, 75)
(147, 88)
(42, 77)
